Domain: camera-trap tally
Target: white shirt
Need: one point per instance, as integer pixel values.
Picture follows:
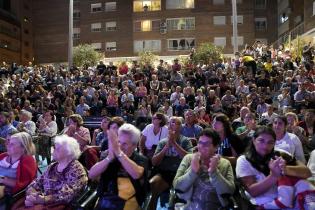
(311, 165)
(51, 129)
(243, 169)
(292, 144)
(151, 138)
(269, 117)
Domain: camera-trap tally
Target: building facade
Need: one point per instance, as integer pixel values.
(123, 28)
(16, 41)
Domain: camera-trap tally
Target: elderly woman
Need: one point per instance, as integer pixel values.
(17, 166)
(76, 130)
(259, 170)
(122, 173)
(26, 124)
(204, 176)
(61, 182)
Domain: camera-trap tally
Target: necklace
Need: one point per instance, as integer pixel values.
(9, 160)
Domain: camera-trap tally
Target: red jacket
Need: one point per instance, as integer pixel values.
(25, 173)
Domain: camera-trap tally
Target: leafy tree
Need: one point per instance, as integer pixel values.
(147, 57)
(207, 53)
(84, 54)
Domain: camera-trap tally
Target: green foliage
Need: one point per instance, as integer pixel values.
(147, 57)
(85, 55)
(207, 53)
(297, 45)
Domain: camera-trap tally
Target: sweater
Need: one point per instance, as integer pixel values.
(26, 171)
(222, 179)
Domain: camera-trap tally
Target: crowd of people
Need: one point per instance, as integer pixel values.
(196, 128)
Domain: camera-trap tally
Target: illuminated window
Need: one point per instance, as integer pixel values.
(143, 6)
(181, 23)
(180, 4)
(147, 25)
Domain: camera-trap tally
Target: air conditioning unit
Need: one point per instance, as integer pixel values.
(163, 28)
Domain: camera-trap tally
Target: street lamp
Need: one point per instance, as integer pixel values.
(234, 17)
(70, 44)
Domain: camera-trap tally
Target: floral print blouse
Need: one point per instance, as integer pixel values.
(61, 187)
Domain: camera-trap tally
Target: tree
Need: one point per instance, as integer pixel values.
(147, 57)
(207, 53)
(85, 55)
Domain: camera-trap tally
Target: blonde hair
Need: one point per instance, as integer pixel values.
(26, 142)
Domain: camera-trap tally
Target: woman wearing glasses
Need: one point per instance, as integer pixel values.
(204, 176)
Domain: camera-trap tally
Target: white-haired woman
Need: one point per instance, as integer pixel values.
(26, 124)
(122, 172)
(61, 182)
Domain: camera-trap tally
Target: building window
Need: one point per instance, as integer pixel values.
(239, 19)
(147, 45)
(110, 6)
(76, 14)
(147, 25)
(180, 4)
(240, 41)
(96, 7)
(219, 41)
(218, 2)
(111, 26)
(284, 17)
(219, 20)
(110, 46)
(96, 27)
(313, 8)
(260, 4)
(143, 6)
(260, 24)
(181, 44)
(97, 46)
(76, 33)
(180, 23)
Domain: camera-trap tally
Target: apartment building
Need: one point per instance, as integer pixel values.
(16, 35)
(123, 28)
(295, 18)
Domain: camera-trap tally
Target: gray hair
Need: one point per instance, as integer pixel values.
(70, 144)
(131, 130)
(26, 113)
